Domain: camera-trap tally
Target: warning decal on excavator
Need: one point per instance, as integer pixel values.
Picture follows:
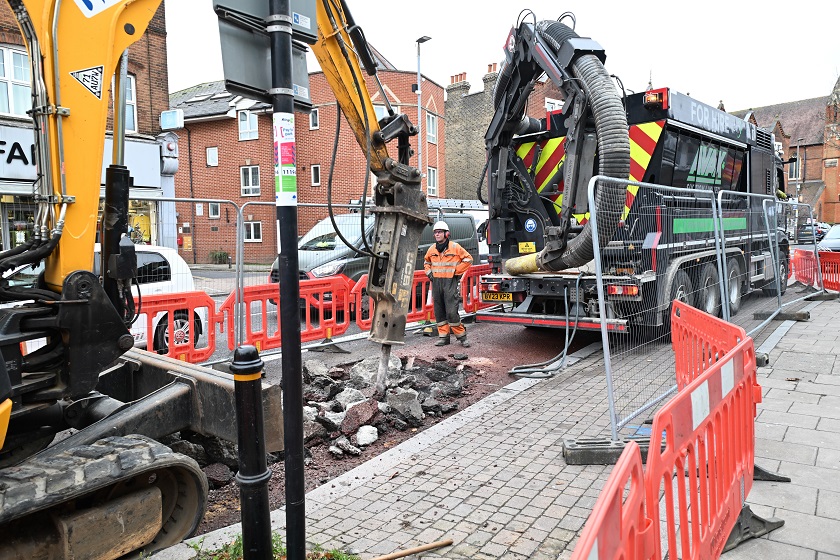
(91, 8)
(91, 78)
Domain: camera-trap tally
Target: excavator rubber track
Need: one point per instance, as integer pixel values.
(117, 498)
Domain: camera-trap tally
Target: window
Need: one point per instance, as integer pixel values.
(316, 175)
(793, 168)
(381, 112)
(314, 122)
(214, 210)
(431, 128)
(250, 175)
(152, 267)
(15, 92)
(213, 156)
(431, 181)
(130, 102)
(247, 125)
(553, 104)
(253, 232)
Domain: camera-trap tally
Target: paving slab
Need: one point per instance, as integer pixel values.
(494, 480)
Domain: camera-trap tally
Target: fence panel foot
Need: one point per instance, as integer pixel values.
(760, 473)
(600, 451)
(823, 296)
(784, 315)
(750, 526)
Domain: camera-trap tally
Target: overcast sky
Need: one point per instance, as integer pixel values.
(747, 53)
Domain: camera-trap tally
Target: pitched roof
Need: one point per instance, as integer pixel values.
(800, 119)
(206, 100)
(211, 99)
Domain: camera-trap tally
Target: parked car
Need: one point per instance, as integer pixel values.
(321, 253)
(807, 231)
(831, 240)
(160, 270)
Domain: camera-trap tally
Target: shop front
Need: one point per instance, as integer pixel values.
(18, 174)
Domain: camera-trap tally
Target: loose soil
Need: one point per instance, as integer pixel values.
(489, 359)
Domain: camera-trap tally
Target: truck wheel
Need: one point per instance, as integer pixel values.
(784, 267)
(708, 294)
(736, 288)
(681, 290)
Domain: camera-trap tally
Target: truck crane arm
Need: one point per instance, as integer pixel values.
(597, 141)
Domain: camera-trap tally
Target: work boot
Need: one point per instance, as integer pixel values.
(464, 342)
(442, 341)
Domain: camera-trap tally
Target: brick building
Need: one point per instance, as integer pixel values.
(811, 128)
(147, 97)
(227, 153)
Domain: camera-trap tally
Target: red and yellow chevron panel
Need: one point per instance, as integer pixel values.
(643, 140)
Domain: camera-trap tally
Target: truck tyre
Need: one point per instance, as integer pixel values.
(784, 268)
(736, 287)
(681, 289)
(708, 290)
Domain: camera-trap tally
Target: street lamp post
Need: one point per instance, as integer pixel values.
(798, 186)
(422, 39)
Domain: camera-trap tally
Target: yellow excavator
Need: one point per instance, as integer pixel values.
(105, 488)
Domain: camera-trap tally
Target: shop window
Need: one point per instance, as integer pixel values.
(247, 125)
(214, 210)
(314, 120)
(15, 91)
(431, 128)
(431, 181)
(250, 175)
(213, 156)
(316, 175)
(253, 232)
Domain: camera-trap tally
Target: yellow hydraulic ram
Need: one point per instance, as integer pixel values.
(80, 44)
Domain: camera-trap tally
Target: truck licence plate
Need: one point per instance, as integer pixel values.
(496, 296)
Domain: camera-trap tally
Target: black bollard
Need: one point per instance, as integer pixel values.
(253, 475)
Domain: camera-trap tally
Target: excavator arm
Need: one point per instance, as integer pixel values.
(400, 204)
(596, 141)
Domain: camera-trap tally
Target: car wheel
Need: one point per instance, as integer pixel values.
(736, 287)
(183, 331)
(708, 296)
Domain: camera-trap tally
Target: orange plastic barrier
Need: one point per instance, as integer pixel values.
(469, 288)
(805, 266)
(179, 307)
(323, 303)
(420, 306)
(705, 472)
(618, 527)
(699, 340)
(830, 266)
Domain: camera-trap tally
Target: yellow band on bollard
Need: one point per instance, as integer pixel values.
(247, 377)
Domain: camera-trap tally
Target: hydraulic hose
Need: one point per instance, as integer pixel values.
(613, 157)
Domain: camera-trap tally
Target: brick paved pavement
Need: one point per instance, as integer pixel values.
(492, 477)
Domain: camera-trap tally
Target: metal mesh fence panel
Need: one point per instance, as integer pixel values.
(664, 249)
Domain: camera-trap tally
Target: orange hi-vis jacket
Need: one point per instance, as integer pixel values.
(454, 261)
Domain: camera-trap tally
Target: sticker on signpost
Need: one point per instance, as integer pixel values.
(285, 160)
(91, 78)
(91, 8)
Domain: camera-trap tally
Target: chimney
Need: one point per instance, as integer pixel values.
(459, 82)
